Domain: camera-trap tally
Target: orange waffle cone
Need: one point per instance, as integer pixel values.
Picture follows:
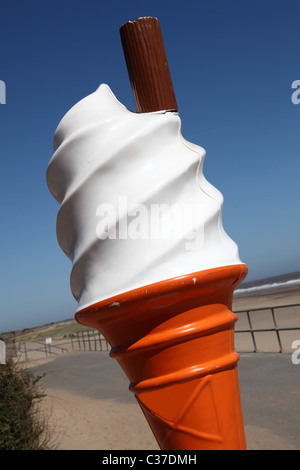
(175, 342)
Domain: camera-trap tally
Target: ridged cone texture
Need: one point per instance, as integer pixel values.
(203, 413)
(175, 342)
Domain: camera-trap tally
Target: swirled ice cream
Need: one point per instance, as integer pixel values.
(135, 208)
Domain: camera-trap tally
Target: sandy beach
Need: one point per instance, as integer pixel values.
(90, 407)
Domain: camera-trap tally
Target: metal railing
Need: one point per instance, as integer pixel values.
(90, 340)
(282, 320)
(34, 350)
(293, 317)
(48, 349)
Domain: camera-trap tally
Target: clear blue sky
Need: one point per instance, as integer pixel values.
(232, 65)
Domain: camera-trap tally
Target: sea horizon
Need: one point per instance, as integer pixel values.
(269, 284)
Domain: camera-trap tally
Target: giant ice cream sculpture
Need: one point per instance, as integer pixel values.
(157, 282)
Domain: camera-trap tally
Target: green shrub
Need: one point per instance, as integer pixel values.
(22, 425)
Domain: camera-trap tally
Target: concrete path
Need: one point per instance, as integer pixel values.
(93, 408)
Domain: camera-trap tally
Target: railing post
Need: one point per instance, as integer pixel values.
(276, 329)
(26, 354)
(251, 330)
(71, 338)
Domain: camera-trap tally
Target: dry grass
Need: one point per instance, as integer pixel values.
(62, 329)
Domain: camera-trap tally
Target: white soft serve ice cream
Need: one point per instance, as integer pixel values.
(135, 206)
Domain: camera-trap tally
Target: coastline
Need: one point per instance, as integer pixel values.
(285, 295)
